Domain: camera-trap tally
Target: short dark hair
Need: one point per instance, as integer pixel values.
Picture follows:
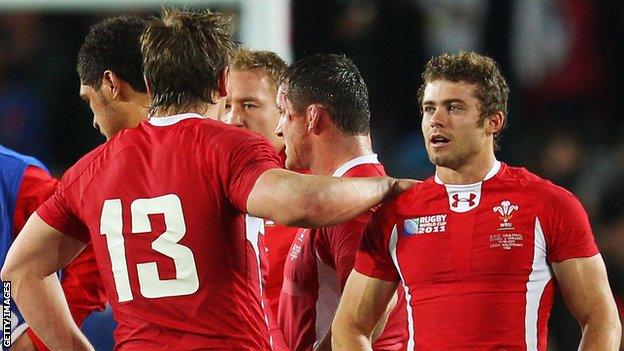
(334, 82)
(266, 62)
(492, 89)
(184, 53)
(113, 44)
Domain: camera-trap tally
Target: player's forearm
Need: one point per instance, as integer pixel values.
(44, 307)
(324, 201)
(602, 332)
(298, 200)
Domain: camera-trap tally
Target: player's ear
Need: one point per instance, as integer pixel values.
(315, 114)
(108, 87)
(116, 85)
(495, 123)
(223, 81)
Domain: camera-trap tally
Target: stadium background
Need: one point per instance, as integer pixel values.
(563, 60)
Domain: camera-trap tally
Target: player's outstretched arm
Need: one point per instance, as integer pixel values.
(585, 288)
(32, 261)
(299, 200)
(363, 303)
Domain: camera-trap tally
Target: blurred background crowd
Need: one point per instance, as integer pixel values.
(562, 58)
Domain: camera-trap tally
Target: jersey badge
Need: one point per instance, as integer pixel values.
(505, 212)
(425, 225)
(506, 240)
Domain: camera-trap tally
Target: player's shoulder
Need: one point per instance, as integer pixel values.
(419, 192)
(366, 170)
(534, 185)
(85, 163)
(404, 203)
(227, 133)
(223, 138)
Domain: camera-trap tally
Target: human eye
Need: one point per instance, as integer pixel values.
(454, 108)
(248, 106)
(428, 109)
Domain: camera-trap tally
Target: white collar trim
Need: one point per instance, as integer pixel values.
(491, 173)
(171, 120)
(372, 158)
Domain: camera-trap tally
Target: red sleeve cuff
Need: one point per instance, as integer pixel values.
(375, 271)
(76, 233)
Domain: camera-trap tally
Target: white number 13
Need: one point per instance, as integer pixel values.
(151, 286)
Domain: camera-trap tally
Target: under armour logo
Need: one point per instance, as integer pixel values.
(469, 200)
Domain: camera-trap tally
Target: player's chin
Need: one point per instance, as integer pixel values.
(441, 160)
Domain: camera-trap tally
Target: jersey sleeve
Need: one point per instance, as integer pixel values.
(83, 286)
(252, 157)
(373, 257)
(37, 186)
(58, 213)
(567, 230)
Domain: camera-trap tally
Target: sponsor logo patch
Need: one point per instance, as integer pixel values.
(425, 225)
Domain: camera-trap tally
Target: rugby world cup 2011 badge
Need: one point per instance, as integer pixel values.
(425, 225)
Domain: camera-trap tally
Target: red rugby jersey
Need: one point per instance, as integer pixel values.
(475, 259)
(317, 268)
(164, 205)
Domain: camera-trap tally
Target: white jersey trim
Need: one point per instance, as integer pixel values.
(490, 174)
(394, 238)
(540, 275)
(340, 171)
(171, 120)
(466, 197)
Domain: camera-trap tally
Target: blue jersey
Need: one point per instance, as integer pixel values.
(12, 168)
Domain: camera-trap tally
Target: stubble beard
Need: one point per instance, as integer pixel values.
(453, 159)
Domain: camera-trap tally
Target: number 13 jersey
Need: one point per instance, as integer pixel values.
(164, 205)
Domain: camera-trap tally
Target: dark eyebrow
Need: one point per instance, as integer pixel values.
(444, 102)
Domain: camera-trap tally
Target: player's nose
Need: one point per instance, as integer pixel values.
(234, 118)
(280, 127)
(437, 119)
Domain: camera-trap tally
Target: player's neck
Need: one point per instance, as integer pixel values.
(329, 155)
(471, 171)
(204, 109)
(138, 109)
